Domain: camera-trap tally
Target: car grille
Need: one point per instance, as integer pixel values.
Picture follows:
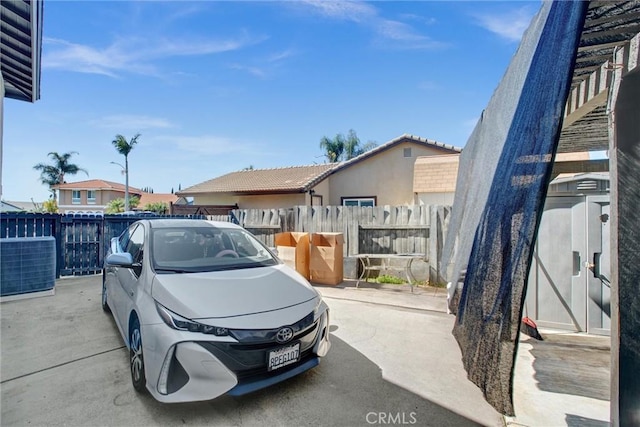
(248, 359)
(268, 336)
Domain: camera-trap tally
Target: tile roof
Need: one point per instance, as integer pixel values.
(294, 179)
(147, 198)
(449, 149)
(96, 184)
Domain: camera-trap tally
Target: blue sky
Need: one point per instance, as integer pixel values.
(216, 86)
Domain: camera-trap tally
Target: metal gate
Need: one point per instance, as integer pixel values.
(81, 240)
(81, 243)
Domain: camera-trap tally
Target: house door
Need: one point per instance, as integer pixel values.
(568, 282)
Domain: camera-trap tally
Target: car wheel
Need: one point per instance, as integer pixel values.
(105, 305)
(136, 358)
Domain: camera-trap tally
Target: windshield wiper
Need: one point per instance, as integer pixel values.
(171, 270)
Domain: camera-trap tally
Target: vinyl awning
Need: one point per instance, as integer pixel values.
(21, 47)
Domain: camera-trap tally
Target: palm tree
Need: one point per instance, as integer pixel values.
(53, 174)
(333, 148)
(124, 147)
(352, 145)
(341, 148)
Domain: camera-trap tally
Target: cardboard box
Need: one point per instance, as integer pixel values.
(326, 258)
(293, 250)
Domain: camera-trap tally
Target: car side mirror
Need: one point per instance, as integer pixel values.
(115, 245)
(121, 259)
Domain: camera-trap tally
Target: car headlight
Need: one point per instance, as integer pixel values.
(180, 323)
(318, 309)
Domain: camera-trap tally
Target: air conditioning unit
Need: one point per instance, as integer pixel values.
(27, 265)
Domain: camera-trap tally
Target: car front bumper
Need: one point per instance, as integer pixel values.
(181, 367)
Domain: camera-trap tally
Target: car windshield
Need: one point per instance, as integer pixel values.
(200, 249)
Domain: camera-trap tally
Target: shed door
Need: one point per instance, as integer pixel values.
(556, 293)
(568, 283)
(599, 274)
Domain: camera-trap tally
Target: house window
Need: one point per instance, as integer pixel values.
(407, 152)
(75, 197)
(91, 197)
(359, 201)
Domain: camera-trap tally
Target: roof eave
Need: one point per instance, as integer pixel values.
(388, 145)
(22, 77)
(247, 192)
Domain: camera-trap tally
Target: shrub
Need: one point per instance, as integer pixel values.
(385, 278)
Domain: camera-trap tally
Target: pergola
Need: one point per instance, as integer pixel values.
(603, 113)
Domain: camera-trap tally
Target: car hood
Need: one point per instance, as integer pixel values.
(224, 294)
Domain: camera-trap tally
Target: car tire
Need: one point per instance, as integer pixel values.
(136, 358)
(105, 305)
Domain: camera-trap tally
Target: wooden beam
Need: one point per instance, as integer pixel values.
(580, 166)
(593, 103)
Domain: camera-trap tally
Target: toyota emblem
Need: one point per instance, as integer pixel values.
(284, 335)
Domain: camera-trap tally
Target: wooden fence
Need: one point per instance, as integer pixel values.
(83, 240)
(375, 230)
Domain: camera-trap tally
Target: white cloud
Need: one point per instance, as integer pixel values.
(255, 71)
(132, 122)
(133, 55)
(404, 36)
(509, 24)
(279, 56)
(346, 10)
(390, 33)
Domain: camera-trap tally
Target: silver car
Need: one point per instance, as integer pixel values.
(206, 309)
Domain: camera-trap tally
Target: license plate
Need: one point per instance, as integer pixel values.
(284, 356)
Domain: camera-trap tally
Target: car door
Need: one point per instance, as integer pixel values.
(128, 278)
(113, 287)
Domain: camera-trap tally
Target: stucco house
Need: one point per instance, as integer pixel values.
(381, 176)
(92, 196)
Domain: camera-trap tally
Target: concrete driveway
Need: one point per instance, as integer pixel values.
(64, 363)
(393, 361)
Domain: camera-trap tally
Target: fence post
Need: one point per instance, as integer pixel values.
(57, 233)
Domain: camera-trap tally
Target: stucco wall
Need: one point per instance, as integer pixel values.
(388, 176)
(250, 202)
(103, 197)
(440, 199)
(322, 189)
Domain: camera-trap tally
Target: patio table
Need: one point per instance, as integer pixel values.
(393, 262)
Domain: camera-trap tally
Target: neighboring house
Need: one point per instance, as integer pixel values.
(90, 196)
(10, 207)
(151, 198)
(93, 196)
(13, 206)
(381, 176)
